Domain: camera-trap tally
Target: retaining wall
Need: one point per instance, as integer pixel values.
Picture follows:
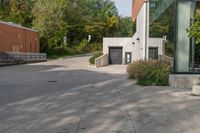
(101, 61)
(9, 58)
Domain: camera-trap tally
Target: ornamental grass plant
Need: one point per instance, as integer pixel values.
(150, 73)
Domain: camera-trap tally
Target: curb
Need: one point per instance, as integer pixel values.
(72, 56)
(80, 55)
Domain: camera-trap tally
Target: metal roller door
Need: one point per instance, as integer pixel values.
(115, 55)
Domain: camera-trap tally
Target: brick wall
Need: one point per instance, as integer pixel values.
(137, 4)
(16, 39)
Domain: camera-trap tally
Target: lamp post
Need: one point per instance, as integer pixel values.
(89, 38)
(65, 39)
(64, 42)
(164, 43)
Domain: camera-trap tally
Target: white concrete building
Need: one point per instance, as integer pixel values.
(140, 46)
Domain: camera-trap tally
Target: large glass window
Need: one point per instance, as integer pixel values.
(197, 46)
(171, 19)
(161, 22)
(183, 49)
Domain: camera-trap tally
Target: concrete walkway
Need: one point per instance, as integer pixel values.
(67, 96)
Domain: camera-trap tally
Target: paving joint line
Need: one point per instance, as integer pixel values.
(127, 111)
(85, 105)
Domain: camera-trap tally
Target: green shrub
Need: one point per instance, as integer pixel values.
(150, 72)
(86, 47)
(83, 47)
(60, 51)
(95, 55)
(94, 47)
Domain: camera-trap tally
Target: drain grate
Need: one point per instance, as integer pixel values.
(52, 81)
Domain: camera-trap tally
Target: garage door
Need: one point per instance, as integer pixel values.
(115, 55)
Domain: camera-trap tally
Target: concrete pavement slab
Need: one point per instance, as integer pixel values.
(67, 96)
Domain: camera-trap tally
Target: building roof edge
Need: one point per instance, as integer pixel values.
(17, 26)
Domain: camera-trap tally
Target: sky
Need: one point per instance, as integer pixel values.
(124, 7)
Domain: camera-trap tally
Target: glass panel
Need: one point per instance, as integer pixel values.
(170, 19)
(158, 7)
(162, 18)
(183, 48)
(197, 58)
(197, 46)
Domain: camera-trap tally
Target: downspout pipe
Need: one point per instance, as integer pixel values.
(146, 26)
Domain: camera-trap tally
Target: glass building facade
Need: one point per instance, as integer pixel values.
(171, 19)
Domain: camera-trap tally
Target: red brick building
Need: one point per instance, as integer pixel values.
(137, 5)
(15, 38)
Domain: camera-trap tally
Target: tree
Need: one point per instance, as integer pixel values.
(50, 21)
(126, 27)
(74, 18)
(4, 9)
(96, 17)
(17, 11)
(194, 30)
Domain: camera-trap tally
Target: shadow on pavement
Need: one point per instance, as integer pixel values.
(57, 99)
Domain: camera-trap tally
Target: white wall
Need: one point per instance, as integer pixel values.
(128, 46)
(136, 45)
(141, 30)
(125, 43)
(157, 42)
